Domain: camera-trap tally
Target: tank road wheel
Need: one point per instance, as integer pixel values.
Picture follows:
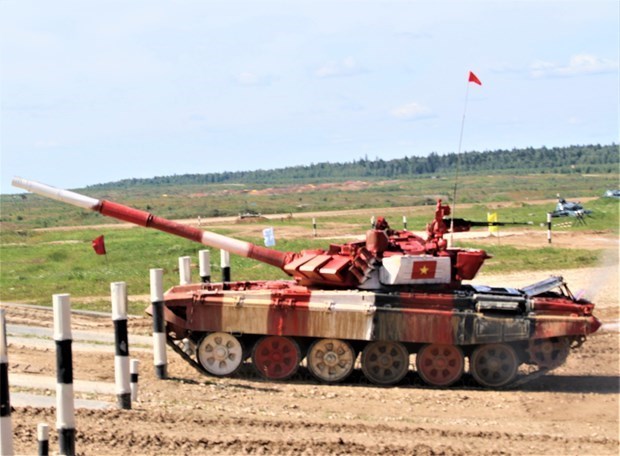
(549, 353)
(440, 365)
(330, 360)
(276, 357)
(385, 362)
(220, 354)
(494, 365)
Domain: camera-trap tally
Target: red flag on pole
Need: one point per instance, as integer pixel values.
(99, 245)
(473, 78)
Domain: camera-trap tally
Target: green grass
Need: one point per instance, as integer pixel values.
(191, 201)
(35, 264)
(508, 258)
(41, 264)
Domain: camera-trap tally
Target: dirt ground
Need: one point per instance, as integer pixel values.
(573, 410)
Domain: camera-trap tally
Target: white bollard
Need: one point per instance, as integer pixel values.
(204, 264)
(134, 379)
(43, 438)
(159, 326)
(6, 425)
(65, 408)
(405, 222)
(314, 226)
(549, 227)
(225, 264)
(185, 270)
(121, 342)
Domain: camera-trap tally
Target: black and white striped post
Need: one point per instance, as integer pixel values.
(6, 431)
(159, 331)
(133, 369)
(549, 227)
(65, 408)
(204, 265)
(314, 226)
(225, 264)
(118, 292)
(404, 221)
(43, 439)
(185, 270)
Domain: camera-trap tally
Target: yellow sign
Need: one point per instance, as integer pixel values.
(492, 217)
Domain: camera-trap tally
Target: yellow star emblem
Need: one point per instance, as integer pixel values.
(424, 270)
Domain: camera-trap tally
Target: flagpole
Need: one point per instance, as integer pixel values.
(458, 157)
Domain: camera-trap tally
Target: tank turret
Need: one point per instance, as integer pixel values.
(386, 258)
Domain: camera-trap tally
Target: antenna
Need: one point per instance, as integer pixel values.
(472, 78)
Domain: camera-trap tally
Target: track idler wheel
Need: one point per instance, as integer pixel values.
(440, 365)
(330, 360)
(385, 362)
(276, 357)
(220, 354)
(494, 365)
(549, 353)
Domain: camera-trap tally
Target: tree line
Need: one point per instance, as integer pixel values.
(557, 160)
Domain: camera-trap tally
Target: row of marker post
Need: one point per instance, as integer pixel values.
(126, 370)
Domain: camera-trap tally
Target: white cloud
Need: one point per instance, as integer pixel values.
(580, 64)
(345, 67)
(411, 111)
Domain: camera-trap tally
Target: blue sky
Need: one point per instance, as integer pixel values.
(99, 91)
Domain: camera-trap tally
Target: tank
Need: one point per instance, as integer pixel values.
(385, 302)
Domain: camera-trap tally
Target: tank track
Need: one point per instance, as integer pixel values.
(179, 351)
(523, 379)
(520, 381)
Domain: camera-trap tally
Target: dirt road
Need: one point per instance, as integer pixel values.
(572, 410)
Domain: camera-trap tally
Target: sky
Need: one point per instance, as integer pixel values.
(98, 91)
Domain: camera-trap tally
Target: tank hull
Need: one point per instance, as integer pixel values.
(287, 309)
(461, 322)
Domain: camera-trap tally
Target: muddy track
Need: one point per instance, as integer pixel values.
(160, 433)
(572, 410)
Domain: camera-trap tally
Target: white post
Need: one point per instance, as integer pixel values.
(404, 221)
(549, 227)
(185, 273)
(159, 325)
(204, 264)
(43, 437)
(225, 264)
(65, 408)
(134, 379)
(121, 359)
(6, 426)
(314, 226)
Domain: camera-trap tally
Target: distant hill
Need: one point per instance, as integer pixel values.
(556, 160)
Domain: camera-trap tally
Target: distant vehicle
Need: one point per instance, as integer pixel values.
(612, 194)
(569, 209)
(250, 214)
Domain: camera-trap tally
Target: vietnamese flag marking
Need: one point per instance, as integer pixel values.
(424, 269)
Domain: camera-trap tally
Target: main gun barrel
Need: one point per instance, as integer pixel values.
(148, 220)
